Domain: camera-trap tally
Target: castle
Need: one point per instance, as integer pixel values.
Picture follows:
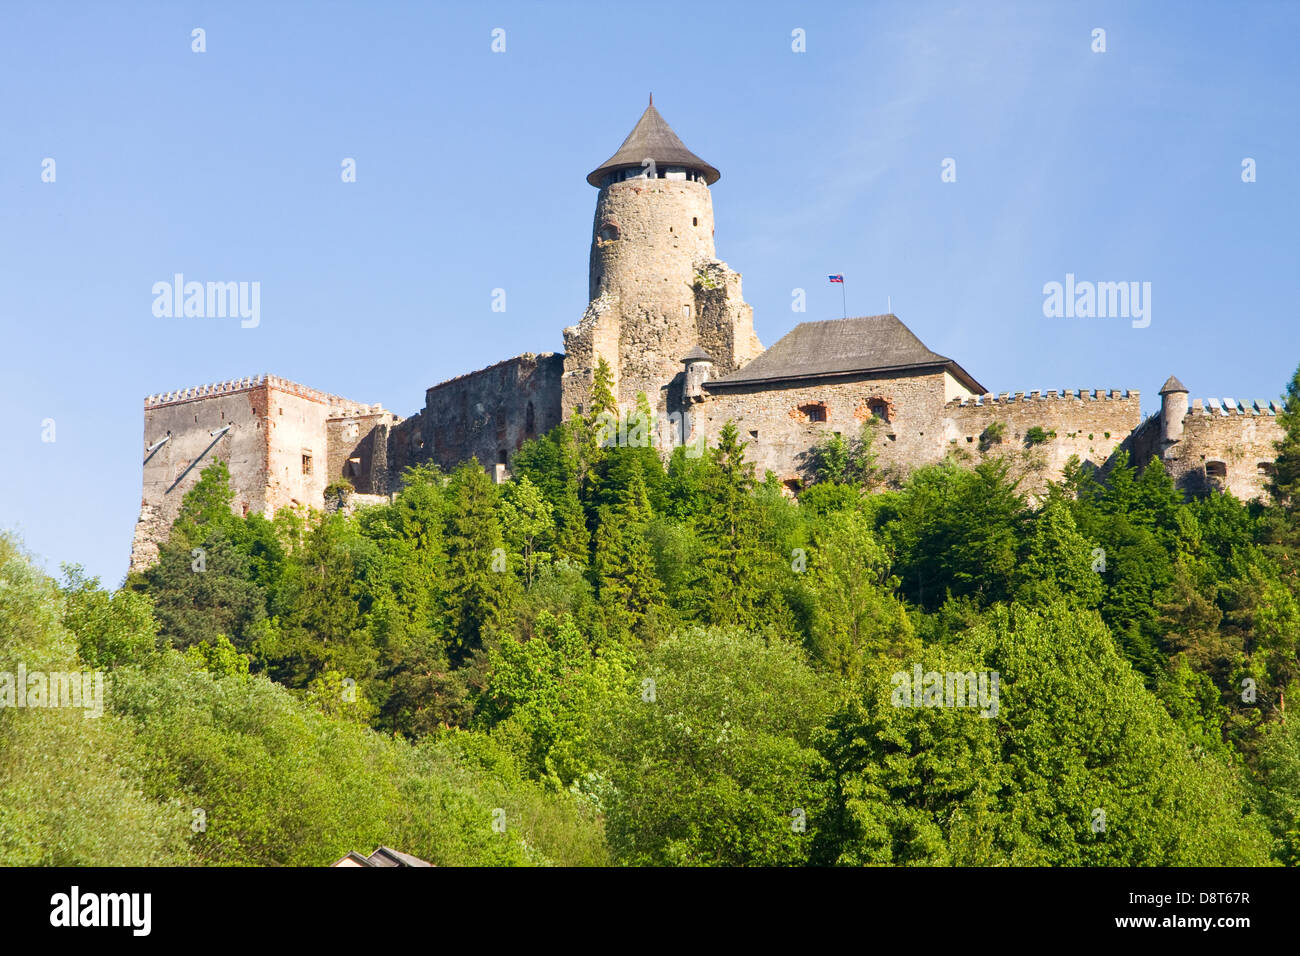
(670, 320)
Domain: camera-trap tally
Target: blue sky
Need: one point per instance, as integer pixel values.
(225, 165)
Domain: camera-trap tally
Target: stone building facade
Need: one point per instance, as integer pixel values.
(670, 320)
(283, 443)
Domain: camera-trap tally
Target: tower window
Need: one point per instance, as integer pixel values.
(306, 464)
(695, 220)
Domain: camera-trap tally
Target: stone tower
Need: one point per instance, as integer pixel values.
(1173, 408)
(656, 289)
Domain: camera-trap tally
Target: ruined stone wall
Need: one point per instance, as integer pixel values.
(1086, 423)
(775, 418)
(357, 448)
(1226, 445)
(724, 321)
(486, 415)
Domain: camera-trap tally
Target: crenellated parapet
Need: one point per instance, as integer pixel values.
(1079, 395)
(204, 391)
(1227, 407)
(231, 386)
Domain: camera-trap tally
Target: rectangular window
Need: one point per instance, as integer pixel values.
(306, 464)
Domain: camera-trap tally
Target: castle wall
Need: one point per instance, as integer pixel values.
(774, 418)
(921, 426)
(174, 468)
(273, 423)
(724, 321)
(1240, 442)
(486, 415)
(357, 448)
(1089, 424)
(297, 450)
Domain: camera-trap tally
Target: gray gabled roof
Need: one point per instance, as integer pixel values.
(873, 343)
(385, 856)
(652, 138)
(1173, 385)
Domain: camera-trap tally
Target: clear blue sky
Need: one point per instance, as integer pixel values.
(225, 165)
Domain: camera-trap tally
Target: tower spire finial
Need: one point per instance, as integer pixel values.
(652, 99)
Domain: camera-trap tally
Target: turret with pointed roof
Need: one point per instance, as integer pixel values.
(652, 139)
(656, 288)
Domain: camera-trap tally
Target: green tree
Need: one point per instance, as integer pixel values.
(729, 586)
(547, 690)
(1059, 562)
(622, 564)
(602, 390)
(855, 617)
(1076, 764)
(481, 589)
(708, 760)
(529, 523)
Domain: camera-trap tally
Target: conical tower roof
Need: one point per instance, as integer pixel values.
(652, 138)
(1173, 385)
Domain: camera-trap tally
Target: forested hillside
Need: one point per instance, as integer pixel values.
(613, 659)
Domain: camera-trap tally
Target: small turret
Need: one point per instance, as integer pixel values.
(699, 369)
(1173, 406)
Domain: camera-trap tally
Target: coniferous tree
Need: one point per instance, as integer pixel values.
(602, 390)
(622, 564)
(481, 588)
(730, 594)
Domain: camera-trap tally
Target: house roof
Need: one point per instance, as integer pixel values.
(652, 138)
(384, 856)
(872, 343)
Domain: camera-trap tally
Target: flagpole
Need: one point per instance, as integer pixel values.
(843, 300)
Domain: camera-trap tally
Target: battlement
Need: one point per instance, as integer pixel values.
(357, 411)
(338, 405)
(1065, 394)
(1227, 407)
(203, 391)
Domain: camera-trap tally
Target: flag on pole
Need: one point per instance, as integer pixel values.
(837, 278)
